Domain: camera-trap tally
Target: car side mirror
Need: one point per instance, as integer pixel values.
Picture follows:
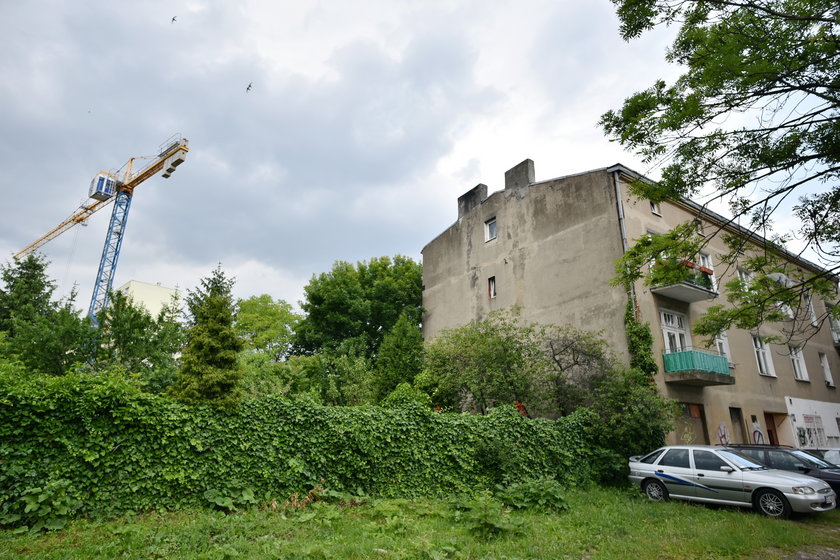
(727, 469)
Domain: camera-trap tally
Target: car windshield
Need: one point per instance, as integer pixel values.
(812, 460)
(741, 461)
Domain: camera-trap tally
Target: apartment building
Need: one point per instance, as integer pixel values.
(549, 248)
(152, 297)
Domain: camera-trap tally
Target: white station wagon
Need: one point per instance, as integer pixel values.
(718, 475)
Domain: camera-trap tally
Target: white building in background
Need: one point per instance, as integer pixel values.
(150, 296)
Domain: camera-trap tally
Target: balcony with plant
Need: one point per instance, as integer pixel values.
(683, 280)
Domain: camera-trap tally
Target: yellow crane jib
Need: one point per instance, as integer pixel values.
(105, 188)
(105, 185)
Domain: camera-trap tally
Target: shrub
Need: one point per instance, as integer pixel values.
(120, 449)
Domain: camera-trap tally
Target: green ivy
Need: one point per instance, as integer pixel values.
(115, 449)
(639, 342)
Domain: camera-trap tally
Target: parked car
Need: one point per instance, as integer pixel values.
(792, 459)
(831, 455)
(721, 475)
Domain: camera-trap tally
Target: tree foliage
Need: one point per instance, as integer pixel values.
(143, 346)
(754, 120)
(47, 336)
(210, 369)
(484, 363)
(580, 362)
(400, 357)
(53, 343)
(26, 293)
(266, 325)
(353, 306)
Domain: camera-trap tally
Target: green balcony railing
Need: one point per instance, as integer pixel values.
(696, 360)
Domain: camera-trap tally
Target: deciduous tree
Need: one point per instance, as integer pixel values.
(754, 120)
(266, 325)
(145, 347)
(484, 363)
(358, 304)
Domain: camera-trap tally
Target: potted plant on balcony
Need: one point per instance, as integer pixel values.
(687, 263)
(704, 279)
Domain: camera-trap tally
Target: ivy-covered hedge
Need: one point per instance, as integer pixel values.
(100, 447)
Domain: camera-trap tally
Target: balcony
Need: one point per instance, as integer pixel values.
(698, 285)
(697, 368)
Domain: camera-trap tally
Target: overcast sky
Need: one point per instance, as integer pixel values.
(365, 121)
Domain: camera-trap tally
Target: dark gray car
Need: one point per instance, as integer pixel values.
(724, 476)
(792, 459)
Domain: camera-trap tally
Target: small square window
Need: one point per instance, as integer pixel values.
(491, 287)
(655, 209)
(490, 229)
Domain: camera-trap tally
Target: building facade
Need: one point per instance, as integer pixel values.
(152, 297)
(549, 248)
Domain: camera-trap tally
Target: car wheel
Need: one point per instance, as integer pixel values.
(655, 490)
(771, 503)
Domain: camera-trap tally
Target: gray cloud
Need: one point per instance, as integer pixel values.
(354, 142)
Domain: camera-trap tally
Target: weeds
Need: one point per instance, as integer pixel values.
(601, 524)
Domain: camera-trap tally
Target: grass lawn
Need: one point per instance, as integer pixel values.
(600, 524)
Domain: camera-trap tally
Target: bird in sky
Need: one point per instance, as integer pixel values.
(247, 89)
(174, 18)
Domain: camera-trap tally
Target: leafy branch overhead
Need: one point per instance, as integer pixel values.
(753, 121)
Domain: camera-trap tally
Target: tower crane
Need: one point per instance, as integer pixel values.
(107, 187)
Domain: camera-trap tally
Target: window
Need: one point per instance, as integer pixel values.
(798, 363)
(746, 277)
(707, 461)
(706, 262)
(491, 287)
(829, 380)
(722, 346)
(762, 357)
(833, 322)
(651, 458)
(674, 331)
(490, 229)
(655, 208)
(812, 314)
(675, 458)
(786, 309)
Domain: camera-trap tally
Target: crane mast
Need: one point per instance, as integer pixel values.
(106, 188)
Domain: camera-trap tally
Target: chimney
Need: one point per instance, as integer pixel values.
(471, 199)
(520, 176)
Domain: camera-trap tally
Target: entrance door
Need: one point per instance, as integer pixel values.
(690, 425)
(770, 422)
(737, 419)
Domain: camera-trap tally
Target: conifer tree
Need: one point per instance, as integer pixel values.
(400, 356)
(26, 293)
(209, 368)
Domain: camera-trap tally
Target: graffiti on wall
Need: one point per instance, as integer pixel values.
(757, 434)
(723, 435)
